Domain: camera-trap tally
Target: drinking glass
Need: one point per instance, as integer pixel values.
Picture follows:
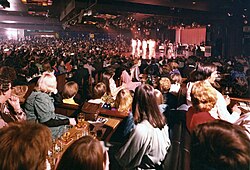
(85, 131)
(79, 135)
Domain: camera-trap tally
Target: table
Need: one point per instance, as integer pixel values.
(102, 132)
(240, 99)
(243, 104)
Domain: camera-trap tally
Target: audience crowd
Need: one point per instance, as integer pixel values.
(101, 71)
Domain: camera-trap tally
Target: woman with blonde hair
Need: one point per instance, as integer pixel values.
(164, 84)
(123, 103)
(39, 106)
(203, 98)
(208, 72)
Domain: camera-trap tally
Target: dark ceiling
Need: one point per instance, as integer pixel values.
(105, 12)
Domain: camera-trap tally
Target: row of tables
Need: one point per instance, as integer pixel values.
(102, 131)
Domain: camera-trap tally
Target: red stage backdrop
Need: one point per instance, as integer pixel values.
(192, 35)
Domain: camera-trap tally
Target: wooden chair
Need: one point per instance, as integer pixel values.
(61, 80)
(69, 110)
(113, 113)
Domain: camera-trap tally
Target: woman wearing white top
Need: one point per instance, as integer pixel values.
(108, 80)
(208, 72)
(148, 143)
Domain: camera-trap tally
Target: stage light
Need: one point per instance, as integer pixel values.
(11, 33)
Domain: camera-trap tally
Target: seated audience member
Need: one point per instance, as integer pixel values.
(20, 91)
(220, 145)
(86, 153)
(81, 77)
(149, 141)
(164, 86)
(24, 145)
(10, 107)
(189, 67)
(108, 80)
(123, 103)
(47, 67)
(70, 89)
(54, 67)
(135, 71)
(208, 72)
(240, 87)
(91, 69)
(176, 81)
(39, 106)
(61, 67)
(176, 95)
(203, 99)
(127, 81)
(68, 64)
(153, 68)
(98, 91)
(174, 67)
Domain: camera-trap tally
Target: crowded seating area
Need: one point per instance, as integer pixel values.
(100, 103)
(167, 100)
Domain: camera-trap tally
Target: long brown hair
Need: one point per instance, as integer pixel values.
(105, 79)
(145, 106)
(220, 145)
(24, 145)
(84, 154)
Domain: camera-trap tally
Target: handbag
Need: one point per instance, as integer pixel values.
(7, 116)
(91, 110)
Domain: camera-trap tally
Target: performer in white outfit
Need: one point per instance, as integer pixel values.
(133, 44)
(144, 48)
(151, 46)
(138, 48)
